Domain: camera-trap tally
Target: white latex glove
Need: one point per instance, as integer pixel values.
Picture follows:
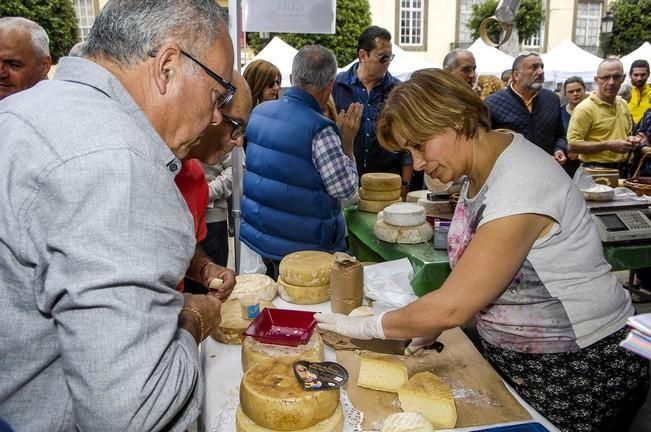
(366, 327)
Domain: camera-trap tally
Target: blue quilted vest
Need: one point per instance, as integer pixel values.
(285, 207)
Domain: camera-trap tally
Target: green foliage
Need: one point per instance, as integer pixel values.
(632, 25)
(527, 19)
(57, 17)
(353, 16)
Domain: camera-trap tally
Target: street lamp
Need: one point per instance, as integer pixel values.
(607, 23)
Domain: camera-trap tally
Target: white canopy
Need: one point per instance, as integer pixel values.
(643, 52)
(568, 59)
(490, 61)
(281, 55)
(404, 63)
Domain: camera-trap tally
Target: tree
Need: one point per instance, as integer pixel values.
(353, 16)
(57, 17)
(632, 25)
(527, 19)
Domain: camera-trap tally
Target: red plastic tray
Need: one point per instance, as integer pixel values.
(282, 327)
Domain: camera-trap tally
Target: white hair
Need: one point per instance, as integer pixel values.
(40, 39)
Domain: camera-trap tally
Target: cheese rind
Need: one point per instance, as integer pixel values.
(259, 285)
(306, 268)
(271, 396)
(414, 196)
(381, 181)
(303, 294)
(370, 206)
(405, 235)
(381, 373)
(404, 214)
(254, 351)
(431, 396)
(334, 423)
(388, 195)
(231, 326)
(407, 422)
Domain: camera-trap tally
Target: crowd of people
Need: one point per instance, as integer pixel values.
(118, 175)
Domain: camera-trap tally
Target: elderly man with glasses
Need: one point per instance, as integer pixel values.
(600, 127)
(95, 234)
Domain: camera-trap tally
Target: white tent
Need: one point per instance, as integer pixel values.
(568, 59)
(403, 65)
(281, 55)
(490, 61)
(643, 52)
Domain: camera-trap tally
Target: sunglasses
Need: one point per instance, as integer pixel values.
(384, 58)
(273, 82)
(238, 128)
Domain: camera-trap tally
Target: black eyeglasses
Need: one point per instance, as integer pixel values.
(222, 99)
(273, 82)
(238, 128)
(384, 58)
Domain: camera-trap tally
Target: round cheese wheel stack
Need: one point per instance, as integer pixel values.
(229, 330)
(254, 351)
(404, 235)
(271, 396)
(378, 191)
(404, 214)
(334, 423)
(259, 285)
(374, 206)
(372, 195)
(414, 196)
(304, 277)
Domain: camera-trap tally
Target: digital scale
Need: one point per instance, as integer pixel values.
(622, 221)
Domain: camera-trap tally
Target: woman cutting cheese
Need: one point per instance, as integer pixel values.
(526, 262)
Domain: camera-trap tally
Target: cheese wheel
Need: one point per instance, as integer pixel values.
(414, 196)
(271, 396)
(303, 294)
(231, 326)
(306, 268)
(259, 285)
(381, 181)
(404, 214)
(407, 422)
(334, 423)
(406, 235)
(254, 351)
(361, 311)
(431, 396)
(374, 206)
(372, 195)
(381, 373)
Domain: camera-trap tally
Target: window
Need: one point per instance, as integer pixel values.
(536, 42)
(588, 25)
(465, 13)
(85, 11)
(412, 23)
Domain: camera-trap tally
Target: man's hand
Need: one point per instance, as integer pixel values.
(366, 327)
(348, 123)
(559, 156)
(214, 271)
(200, 315)
(624, 146)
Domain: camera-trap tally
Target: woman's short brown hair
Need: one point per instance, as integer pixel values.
(431, 101)
(259, 74)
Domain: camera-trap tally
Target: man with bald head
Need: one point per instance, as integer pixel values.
(461, 63)
(24, 55)
(95, 234)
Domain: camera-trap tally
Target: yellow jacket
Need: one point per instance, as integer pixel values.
(640, 102)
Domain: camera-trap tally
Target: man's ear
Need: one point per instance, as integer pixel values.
(45, 66)
(362, 55)
(166, 66)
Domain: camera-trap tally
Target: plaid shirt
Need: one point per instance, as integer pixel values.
(338, 171)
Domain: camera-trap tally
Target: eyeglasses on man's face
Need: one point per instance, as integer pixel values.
(614, 77)
(238, 128)
(222, 99)
(384, 58)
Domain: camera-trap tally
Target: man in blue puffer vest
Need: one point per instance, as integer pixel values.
(297, 169)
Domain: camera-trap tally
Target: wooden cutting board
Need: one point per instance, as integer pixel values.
(480, 395)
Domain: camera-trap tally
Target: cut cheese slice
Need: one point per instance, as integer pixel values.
(231, 326)
(407, 422)
(334, 423)
(431, 396)
(404, 214)
(254, 351)
(373, 195)
(361, 311)
(271, 396)
(406, 235)
(414, 196)
(306, 268)
(381, 181)
(303, 294)
(374, 206)
(381, 373)
(259, 285)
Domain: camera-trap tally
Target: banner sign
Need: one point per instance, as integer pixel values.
(290, 16)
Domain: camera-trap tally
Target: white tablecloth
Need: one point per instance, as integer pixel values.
(223, 372)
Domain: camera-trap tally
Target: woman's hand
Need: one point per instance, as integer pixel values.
(367, 327)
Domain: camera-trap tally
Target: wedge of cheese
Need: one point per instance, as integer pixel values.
(254, 351)
(381, 373)
(231, 326)
(271, 396)
(407, 422)
(334, 423)
(306, 268)
(303, 294)
(381, 181)
(432, 397)
(262, 286)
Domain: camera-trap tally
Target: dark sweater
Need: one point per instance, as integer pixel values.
(542, 126)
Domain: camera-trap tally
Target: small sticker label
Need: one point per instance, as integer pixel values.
(320, 376)
(253, 310)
